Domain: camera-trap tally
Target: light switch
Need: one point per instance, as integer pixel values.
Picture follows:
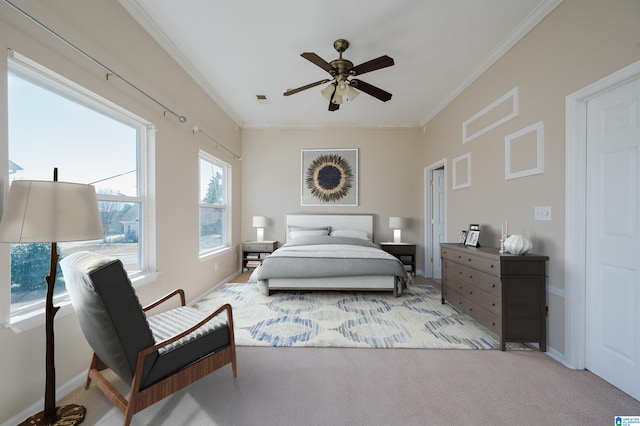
(542, 213)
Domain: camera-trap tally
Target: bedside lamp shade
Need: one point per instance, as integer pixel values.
(260, 222)
(397, 223)
(46, 211)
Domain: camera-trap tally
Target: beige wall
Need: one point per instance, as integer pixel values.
(390, 181)
(578, 43)
(104, 30)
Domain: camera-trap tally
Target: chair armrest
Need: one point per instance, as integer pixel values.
(178, 291)
(226, 307)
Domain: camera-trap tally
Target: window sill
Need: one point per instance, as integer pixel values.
(215, 253)
(29, 320)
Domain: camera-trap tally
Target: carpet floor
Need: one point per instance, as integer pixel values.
(409, 387)
(416, 319)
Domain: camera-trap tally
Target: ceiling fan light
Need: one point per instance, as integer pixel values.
(328, 91)
(352, 93)
(342, 88)
(337, 99)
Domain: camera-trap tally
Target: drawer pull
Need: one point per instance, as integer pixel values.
(470, 293)
(470, 277)
(493, 285)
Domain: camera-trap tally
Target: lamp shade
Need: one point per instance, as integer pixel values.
(396, 222)
(50, 211)
(259, 221)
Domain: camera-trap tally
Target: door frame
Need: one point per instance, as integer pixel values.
(428, 204)
(575, 211)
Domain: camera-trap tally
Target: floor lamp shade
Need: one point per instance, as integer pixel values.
(49, 211)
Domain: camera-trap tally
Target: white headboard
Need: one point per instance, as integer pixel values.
(360, 222)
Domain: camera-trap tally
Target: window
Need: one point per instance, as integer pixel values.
(214, 204)
(55, 123)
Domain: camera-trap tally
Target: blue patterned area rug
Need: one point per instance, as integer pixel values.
(415, 319)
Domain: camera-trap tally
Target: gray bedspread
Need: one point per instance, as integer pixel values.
(327, 256)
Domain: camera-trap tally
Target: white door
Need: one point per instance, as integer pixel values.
(437, 219)
(612, 237)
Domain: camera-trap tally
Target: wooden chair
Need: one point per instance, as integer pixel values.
(156, 356)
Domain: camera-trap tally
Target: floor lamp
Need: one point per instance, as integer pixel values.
(51, 212)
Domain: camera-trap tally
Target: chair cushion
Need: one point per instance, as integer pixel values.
(207, 339)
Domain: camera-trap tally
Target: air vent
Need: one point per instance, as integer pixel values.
(263, 99)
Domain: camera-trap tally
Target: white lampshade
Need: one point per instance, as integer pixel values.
(352, 93)
(396, 222)
(328, 91)
(342, 88)
(259, 221)
(49, 211)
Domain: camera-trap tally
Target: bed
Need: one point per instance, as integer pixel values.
(330, 252)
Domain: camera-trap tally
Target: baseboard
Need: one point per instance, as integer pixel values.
(560, 357)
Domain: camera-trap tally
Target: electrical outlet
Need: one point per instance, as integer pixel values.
(542, 213)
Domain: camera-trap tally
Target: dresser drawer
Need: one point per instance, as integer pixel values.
(469, 258)
(454, 298)
(490, 320)
(483, 299)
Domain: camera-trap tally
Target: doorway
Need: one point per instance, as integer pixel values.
(435, 217)
(603, 133)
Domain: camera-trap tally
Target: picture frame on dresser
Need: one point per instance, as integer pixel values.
(463, 237)
(472, 238)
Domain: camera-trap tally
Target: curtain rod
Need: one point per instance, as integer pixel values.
(181, 118)
(196, 129)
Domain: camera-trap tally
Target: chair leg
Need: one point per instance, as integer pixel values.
(96, 364)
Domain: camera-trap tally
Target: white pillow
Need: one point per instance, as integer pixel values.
(350, 233)
(298, 234)
(293, 230)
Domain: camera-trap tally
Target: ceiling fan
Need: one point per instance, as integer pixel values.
(341, 70)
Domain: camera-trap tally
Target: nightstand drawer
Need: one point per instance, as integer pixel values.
(399, 249)
(259, 246)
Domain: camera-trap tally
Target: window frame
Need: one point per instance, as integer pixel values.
(227, 173)
(29, 70)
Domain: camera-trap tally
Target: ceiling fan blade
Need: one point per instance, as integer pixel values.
(372, 65)
(308, 86)
(374, 91)
(312, 57)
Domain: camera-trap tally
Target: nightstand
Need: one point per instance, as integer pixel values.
(254, 251)
(405, 252)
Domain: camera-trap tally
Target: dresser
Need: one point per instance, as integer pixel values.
(506, 293)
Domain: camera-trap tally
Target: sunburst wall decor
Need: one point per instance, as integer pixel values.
(330, 177)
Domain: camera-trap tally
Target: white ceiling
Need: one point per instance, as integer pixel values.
(237, 49)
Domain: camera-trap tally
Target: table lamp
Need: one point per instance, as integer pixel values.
(397, 223)
(260, 222)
